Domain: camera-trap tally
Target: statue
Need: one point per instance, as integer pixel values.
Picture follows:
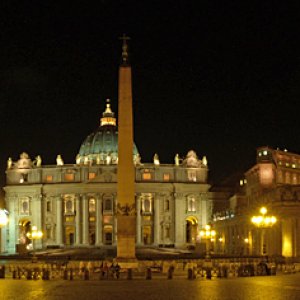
(38, 160)
(176, 159)
(77, 159)
(9, 163)
(204, 161)
(59, 160)
(156, 159)
(98, 159)
(137, 159)
(108, 159)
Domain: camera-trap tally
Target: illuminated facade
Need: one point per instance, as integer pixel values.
(75, 205)
(273, 182)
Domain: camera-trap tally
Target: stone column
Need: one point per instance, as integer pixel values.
(156, 220)
(180, 226)
(287, 237)
(13, 228)
(78, 220)
(85, 220)
(138, 220)
(37, 221)
(99, 221)
(59, 219)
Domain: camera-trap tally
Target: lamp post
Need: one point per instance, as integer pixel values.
(263, 221)
(34, 235)
(3, 223)
(209, 235)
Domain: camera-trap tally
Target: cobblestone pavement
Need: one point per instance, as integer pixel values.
(262, 287)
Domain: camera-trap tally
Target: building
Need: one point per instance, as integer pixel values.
(74, 205)
(273, 182)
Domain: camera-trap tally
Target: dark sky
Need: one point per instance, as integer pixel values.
(222, 78)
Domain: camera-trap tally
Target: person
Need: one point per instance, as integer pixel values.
(117, 270)
(105, 270)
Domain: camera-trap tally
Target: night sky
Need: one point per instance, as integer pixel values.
(222, 78)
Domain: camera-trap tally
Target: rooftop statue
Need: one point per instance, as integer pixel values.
(9, 163)
(156, 159)
(137, 159)
(59, 160)
(176, 159)
(108, 159)
(38, 161)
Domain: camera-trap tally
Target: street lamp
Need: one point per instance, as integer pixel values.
(263, 221)
(209, 235)
(34, 235)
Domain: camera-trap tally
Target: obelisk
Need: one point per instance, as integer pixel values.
(126, 213)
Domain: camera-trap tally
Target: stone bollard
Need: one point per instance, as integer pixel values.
(170, 272)
(65, 276)
(190, 274)
(71, 274)
(86, 274)
(148, 274)
(208, 274)
(14, 274)
(29, 275)
(129, 274)
(35, 275)
(19, 273)
(43, 274)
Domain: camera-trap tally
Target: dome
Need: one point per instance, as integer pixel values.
(101, 146)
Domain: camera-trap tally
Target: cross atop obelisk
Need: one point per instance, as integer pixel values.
(125, 55)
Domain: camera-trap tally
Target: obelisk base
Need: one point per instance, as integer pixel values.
(126, 237)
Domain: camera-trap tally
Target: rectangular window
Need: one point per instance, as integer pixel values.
(166, 177)
(49, 178)
(92, 175)
(191, 205)
(48, 206)
(69, 177)
(146, 176)
(48, 232)
(92, 205)
(24, 206)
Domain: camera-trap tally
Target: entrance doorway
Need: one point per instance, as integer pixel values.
(108, 236)
(69, 235)
(24, 242)
(191, 230)
(147, 235)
